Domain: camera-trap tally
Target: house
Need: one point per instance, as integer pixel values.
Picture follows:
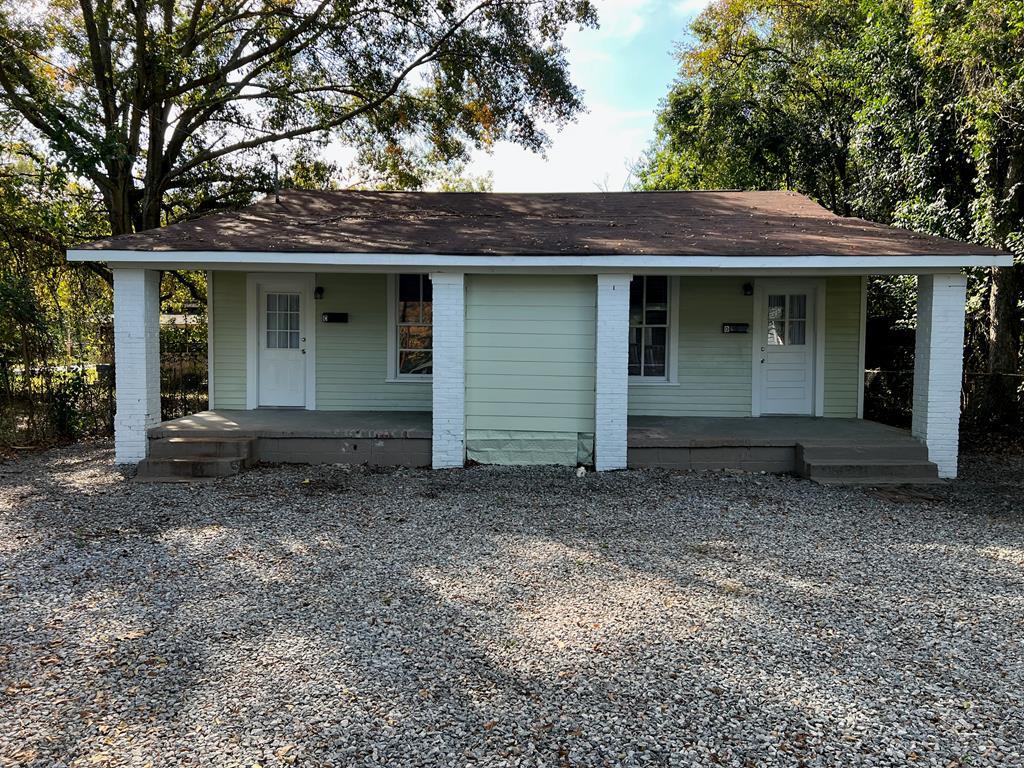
(607, 329)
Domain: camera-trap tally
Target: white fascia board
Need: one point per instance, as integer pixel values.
(595, 262)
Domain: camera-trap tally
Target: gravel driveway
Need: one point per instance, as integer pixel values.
(336, 616)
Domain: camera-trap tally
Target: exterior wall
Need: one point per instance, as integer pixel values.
(714, 369)
(229, 340)
(530, 368)
(714, 376)
(352, 357)
(844, 377)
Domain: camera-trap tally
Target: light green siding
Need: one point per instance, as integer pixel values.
(530, 367)
(229, 340)
(714, 376)
(843, 376)
(352, 357)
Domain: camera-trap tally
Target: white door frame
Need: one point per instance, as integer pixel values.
(762, 286)
(304, 282)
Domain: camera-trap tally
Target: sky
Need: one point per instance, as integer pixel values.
(624, 69)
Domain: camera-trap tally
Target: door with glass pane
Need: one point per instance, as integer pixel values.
(282, 345)
(787, 351)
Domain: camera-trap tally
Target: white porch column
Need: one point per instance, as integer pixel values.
(136, 360)
(938, 367)
(612, 387)
(449, 367)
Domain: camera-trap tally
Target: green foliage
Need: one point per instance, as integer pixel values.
(909, 113)
(172, 109)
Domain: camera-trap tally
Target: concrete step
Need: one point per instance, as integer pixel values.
(202, 447)
(182, 469)
(870, 472)
(910, 450)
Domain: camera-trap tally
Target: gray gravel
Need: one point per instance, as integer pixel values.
(344, 616)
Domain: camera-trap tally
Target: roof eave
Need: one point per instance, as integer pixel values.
(313, 260)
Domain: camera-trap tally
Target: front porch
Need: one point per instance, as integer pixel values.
(296, 436)
(534, 368)
(828, 450)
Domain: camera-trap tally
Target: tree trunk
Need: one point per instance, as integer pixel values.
(1004, 337)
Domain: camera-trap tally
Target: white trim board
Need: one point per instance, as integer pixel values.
(862, 352)
(210, 351)
(306, 282)
(595, 262)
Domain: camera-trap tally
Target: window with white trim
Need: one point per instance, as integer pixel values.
(649, 327)
(413, 326)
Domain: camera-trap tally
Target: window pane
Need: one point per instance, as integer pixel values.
(427, 308)
(293, 321)
(293, 339)
(408, 288)
(414, 362)
(656, 307)
(409, 312)
(656, 314)
(271, 339)
(776, 307)
(271, 321)
(776, 333)
(657, 289)
(428, 289)
(636, 300)
(654, 352)
(271, 302)
(414, 337)
(798, 307)
(797, 332)
(293, 303)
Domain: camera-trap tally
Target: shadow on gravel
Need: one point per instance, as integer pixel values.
(334, 616)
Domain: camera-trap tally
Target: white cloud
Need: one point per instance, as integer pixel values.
(593, 153)
(596, 150)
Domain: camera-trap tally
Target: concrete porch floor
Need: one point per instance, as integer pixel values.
(644, 431)
(296, 423)
(700, 432)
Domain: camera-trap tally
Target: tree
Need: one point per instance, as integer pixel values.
(150, 100)
(904, 113)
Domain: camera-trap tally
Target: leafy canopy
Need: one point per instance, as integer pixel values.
(153, 99)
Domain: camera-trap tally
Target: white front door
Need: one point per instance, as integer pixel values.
(787, 349)
(282, 344)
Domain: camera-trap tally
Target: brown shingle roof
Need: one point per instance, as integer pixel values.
(617, 223)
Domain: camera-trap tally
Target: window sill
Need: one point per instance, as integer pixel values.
(408, 379)
(641, 382)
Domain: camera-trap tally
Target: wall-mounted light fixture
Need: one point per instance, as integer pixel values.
(748, 289)
(318, 292)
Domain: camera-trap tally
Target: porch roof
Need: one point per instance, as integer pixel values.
(349, 227)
